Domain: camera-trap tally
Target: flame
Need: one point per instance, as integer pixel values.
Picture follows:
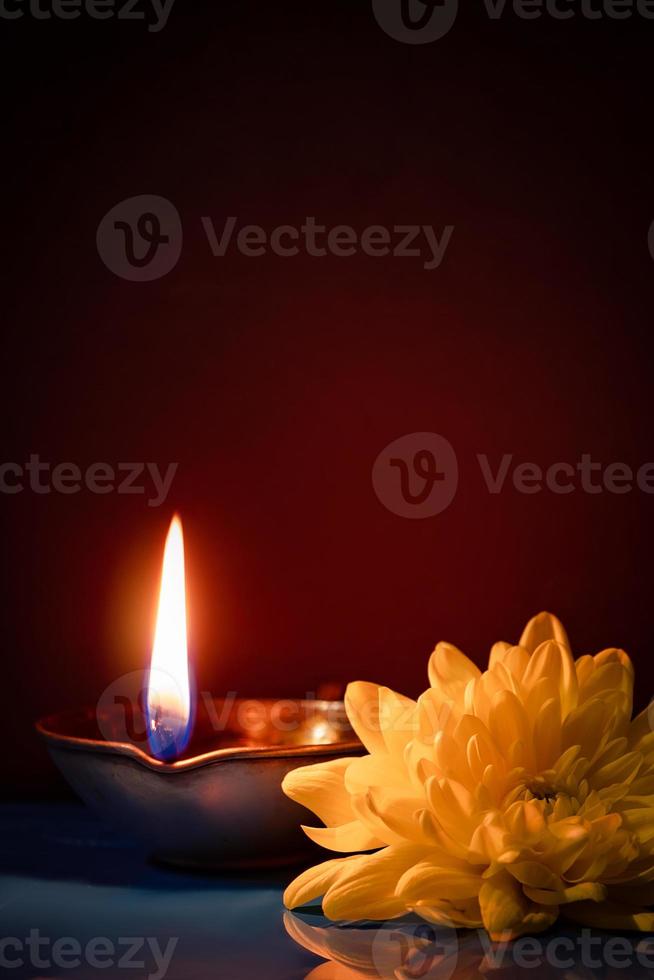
(169, 688)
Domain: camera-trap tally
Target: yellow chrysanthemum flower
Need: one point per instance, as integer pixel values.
(498, 799)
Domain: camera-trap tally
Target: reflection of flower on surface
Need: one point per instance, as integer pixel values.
(497, 799)
(407, 951)
(399, 952)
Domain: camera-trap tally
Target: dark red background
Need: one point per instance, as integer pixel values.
(276, 382)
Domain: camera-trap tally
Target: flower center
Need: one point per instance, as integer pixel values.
(542, 789)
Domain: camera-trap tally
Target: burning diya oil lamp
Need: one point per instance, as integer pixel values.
(199, 783)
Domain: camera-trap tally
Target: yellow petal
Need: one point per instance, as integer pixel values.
(481, 693)
(512, 658)
(450, 671)
(640, 727)
(418, 762)
(362, 707)
(464, 915)
(498, 653)
(437, 836)
(586, 891)
(398, 720)
(321, 789)
(614, 655)
(612, 671)
(453, 807)
(391, 816)
(436, 713)
(479, 755)
(535, 875)
(584, 727)
(315, 881)
(368, 892)
(399, 812)
(541, 628)
(377, 822)
(430, 884)
(640, 821)
(622, 770)
(349, 837)
(610, 677)
(490, 840)
(506, 912)
(547, 734)
(508, 723)
(378, 769)
(506, 679)
(449, 755)
(553, 659)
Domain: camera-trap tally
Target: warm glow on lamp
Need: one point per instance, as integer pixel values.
(169, 689)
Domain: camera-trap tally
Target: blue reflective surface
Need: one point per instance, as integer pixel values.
(64, 874)
(64, 877)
